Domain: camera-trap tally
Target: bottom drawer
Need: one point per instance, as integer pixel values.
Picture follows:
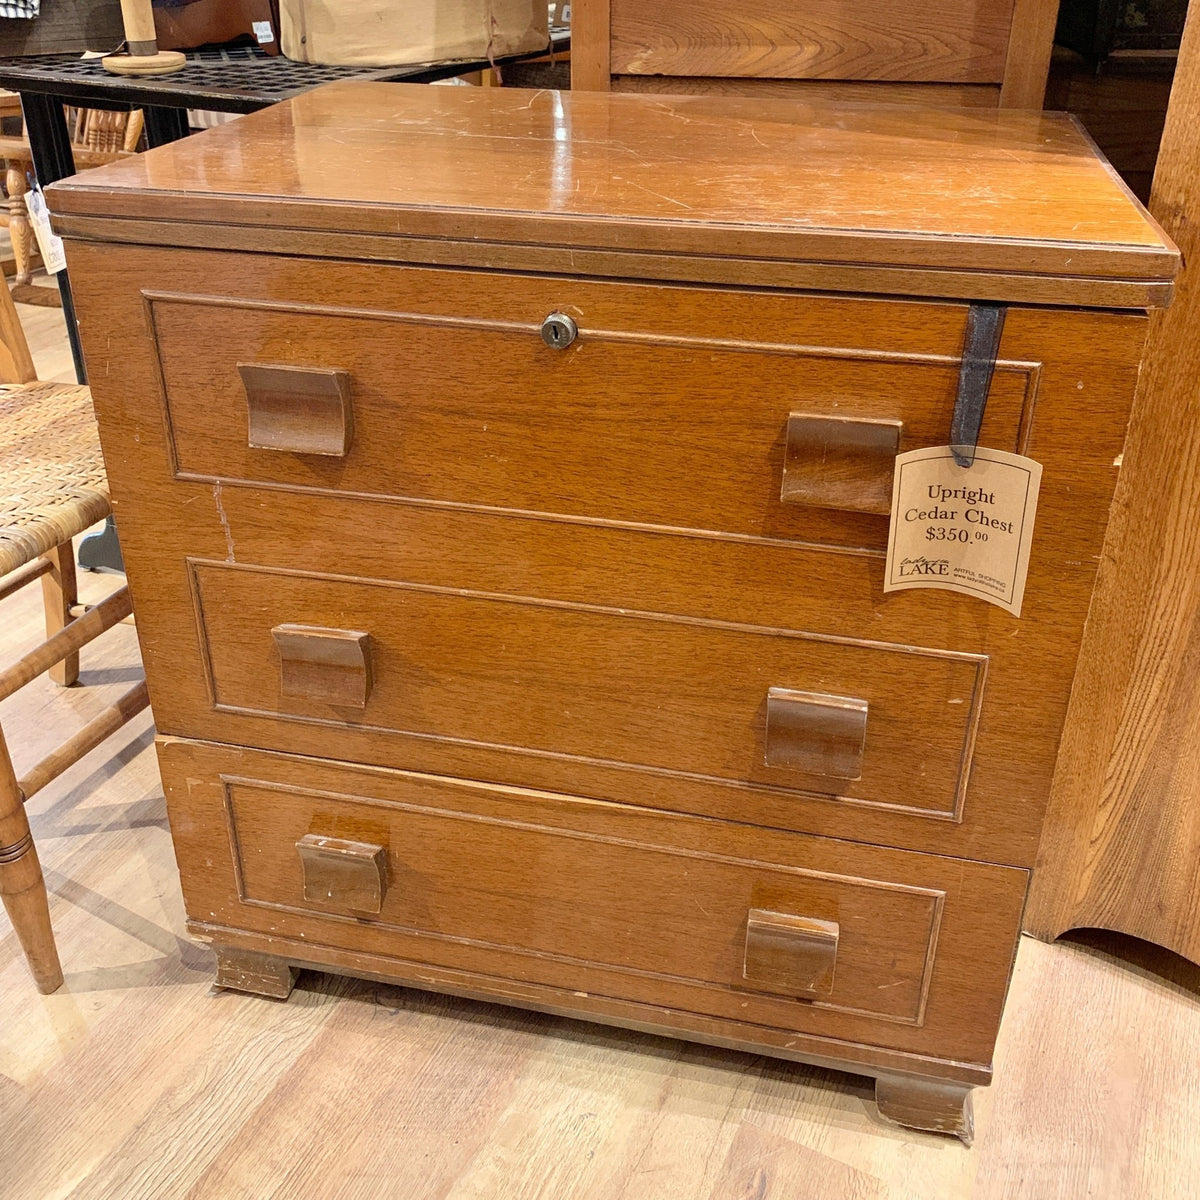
(691, 915)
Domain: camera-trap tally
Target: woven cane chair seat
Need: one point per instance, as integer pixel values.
(52, 481)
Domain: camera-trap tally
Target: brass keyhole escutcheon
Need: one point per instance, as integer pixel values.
(559, 331)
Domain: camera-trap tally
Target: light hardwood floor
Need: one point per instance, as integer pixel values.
(137, 1079)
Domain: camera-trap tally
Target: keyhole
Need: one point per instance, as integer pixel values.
(559, 331)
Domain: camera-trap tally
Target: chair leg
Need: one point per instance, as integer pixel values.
(22, 887)
(19, 229)
(59, 593)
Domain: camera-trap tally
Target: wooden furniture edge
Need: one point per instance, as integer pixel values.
(810, 1049)
(909, 249)
(591, 46)
(1027, 63)
(927, 283)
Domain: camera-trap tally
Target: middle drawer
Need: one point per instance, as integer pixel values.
(768, 709)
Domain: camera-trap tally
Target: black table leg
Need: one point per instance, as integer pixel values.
(165, 125)
(50, 143)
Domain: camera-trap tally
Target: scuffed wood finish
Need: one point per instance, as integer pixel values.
(582, 1110)
(561, 894)
(795, 956)
(1017, 192)
(840, 462)
(927, 1104)
(297, 410)
(669, 697)
(1123, 827)
(815, 732)
(318, 665)
(341, 874)
(908, 40)
(683, 396)
(441, 542)
(253, 971)
(589, 639)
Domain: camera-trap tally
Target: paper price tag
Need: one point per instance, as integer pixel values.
(963, 529)
(50, 245)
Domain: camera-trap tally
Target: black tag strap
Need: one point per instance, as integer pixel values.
(985, 324)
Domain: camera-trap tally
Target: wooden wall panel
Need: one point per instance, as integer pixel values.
(819, 91)
(822, 39)
(1121, 846)
(908, 52)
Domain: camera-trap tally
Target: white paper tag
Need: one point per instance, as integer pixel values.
(263, 31)
(50, 245)
(963, 529)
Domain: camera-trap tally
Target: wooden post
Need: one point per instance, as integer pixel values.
(143, 56)
(1119, 848)
(59, 593)
(22, 888)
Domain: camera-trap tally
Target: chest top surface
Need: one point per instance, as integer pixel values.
(972, 191)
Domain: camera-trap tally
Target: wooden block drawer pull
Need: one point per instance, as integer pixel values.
(790, 954)
(300, 410)
(341, 874)
(328, 665)
(840, 462)
(810, 731)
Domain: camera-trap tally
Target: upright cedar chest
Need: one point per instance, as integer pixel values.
(504, 635)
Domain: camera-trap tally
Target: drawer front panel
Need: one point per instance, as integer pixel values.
(682, 431)
(1087, 369)
(505, 884)
(710, 700)
(697, 915)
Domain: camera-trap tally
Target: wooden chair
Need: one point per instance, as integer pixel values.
(987, 53)
(52, 487)
(98, 137)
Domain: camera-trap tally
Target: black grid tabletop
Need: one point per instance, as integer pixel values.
(231, 79)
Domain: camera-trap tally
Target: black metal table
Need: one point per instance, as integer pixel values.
(235, 80)
(231, 79)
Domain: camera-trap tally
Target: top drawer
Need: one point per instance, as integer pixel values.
(673, 407)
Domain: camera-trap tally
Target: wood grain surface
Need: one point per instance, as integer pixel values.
(520, 891)
(1027, 58)
(590, 560)
(909, 41)
(474, 736)
(835, 53)
(712, 177)
(821, 91)
(466, 1101)
(576, 1108)
(1119, 848)
(580, 684)
(669, 409)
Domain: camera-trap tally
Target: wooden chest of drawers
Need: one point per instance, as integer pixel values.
(543, 663)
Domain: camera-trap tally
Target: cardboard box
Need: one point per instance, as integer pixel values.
(388, 33)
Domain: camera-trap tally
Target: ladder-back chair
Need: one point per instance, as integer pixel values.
(52, 487)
